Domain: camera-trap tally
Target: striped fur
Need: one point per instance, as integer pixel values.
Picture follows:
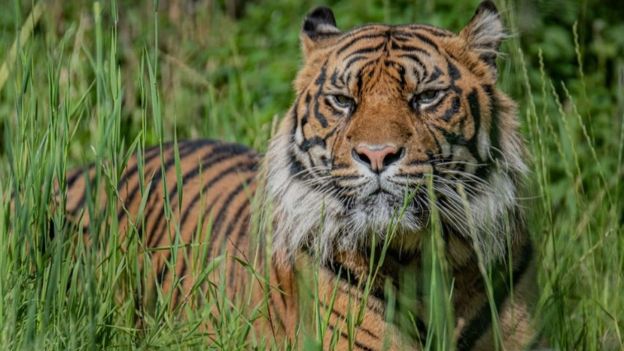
(380, 111)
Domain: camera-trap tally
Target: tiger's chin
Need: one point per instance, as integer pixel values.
(384, 216)
(325, 226)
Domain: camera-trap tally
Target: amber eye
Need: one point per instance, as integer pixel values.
(426, 98)
(342, 102)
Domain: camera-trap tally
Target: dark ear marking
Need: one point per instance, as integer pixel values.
(486, 5)
(318, 30)
(320, 22)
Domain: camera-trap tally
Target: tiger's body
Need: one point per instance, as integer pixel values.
(378, 108)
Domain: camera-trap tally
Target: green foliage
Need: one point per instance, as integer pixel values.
(93, 85)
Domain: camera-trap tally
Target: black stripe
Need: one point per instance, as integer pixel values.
(409, 48)
(295, 166)
(360, 82)
(245, 165)
(437, 72)
(339, 314)
(217, 154)
(241, 167)
(360, 72)
(69, 182)
(185, 150)
(83, 195)
(148, 211)
(473, 142)
(320, 80)
(437, 142)
(347, 275)
(494, 116)
(153, 153)
(453, 110)
(426, 40)
(475, 111)
(420, 64)
(452, 138)
(489, 59)
(160, 278)
(400, 70)
(164, 272)
(272, 304)
(242, 232)
(218, 221)
(355, 40)
(353, 60)
(310, 143)
(431, 30)
(334, 78)
(368, 49)
(149, 155)
(358, 30)
(456, 139)
(306, 114)
(453, 70)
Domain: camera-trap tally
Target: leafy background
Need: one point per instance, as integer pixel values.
(223, 69)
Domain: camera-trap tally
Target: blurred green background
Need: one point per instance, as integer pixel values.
(234, 60)
(224, 70)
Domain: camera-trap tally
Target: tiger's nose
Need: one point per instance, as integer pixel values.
(377, 157)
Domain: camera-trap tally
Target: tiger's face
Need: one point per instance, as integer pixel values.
(380, 112)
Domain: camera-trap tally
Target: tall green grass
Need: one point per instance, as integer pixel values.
(98, 82)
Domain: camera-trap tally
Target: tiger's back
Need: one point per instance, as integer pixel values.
(209, 213)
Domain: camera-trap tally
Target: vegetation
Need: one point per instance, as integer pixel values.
(84, 82)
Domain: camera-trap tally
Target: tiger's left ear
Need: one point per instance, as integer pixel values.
(319, 29)
(485, 32)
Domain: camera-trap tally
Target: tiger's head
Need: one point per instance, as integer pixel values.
(381, 112)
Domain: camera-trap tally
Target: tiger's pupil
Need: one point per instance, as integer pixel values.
(428, 95)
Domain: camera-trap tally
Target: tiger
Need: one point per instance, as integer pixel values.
(391, 126)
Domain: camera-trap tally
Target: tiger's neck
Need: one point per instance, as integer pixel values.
(380, 268)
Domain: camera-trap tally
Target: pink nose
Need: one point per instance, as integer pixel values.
(377, 157)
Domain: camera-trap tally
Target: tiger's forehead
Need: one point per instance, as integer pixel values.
(424, 35)
(409, 54)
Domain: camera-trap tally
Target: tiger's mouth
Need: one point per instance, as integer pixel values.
(380, 186)
(379, 191)
(381, 205)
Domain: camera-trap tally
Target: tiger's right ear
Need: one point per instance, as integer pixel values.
(485, 32)
(319, 29)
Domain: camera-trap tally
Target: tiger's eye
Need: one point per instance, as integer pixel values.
(425, 98)
(428, 96)
(342, 102)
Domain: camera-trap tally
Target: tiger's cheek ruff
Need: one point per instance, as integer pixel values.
(302, 216)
